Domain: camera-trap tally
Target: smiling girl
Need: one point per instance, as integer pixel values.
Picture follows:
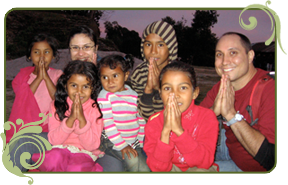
(76, 125)
(183, 136)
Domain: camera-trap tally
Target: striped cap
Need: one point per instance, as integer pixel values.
(167, 33)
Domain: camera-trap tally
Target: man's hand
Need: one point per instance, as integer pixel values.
(227, 106)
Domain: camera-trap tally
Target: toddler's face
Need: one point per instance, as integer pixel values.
(113, 80)
(178, 83)
(79, 84)
(41, 51)
(155, 47)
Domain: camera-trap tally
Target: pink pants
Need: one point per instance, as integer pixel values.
(62, 160)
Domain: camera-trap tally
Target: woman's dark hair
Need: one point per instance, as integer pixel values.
(126, 63)
(84, 30)
(180, 66)
(53, 42)
(75, 67)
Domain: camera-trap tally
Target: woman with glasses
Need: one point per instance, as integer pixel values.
(83, 44)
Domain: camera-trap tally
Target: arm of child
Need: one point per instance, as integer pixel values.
(58, 130)
(109, 125)
(141, 133)
(90, 134)
(201, 140)
(49, 83)
(159, 154)
(35, 84)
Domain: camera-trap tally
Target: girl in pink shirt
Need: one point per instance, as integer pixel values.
(76, 125)
(34, 86)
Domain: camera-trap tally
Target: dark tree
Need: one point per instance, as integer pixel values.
(205, 41)
(127, 41)
(196, 43)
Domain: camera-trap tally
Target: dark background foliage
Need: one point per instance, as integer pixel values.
(196, 41)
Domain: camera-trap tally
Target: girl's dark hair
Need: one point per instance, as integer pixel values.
(75, 67)
(84, 30)
(126, 63)
(180, 66)
(53, 42)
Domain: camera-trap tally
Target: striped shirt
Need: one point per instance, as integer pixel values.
(148, 104)
(122, 122)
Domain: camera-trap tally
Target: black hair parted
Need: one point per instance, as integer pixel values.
(126, 63)
(83, 29)
(75, 67)
(180, 66)
(53, 42)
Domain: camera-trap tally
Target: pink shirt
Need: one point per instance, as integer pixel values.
(87, 138)
(42, 94)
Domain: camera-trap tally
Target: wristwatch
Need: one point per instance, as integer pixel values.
(236, 118)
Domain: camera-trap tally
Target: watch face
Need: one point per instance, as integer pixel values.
(238, 117)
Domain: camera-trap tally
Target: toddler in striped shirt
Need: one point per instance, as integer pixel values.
(123, 126)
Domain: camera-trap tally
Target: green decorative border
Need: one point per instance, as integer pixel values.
(278, 175)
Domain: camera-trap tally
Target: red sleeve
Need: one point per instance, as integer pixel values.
(159, 154)
(266, 122)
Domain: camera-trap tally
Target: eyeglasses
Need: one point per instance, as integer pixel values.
(84, 48)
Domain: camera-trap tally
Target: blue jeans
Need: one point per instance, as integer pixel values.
(109, 163)
(135, 164)
(222, 157)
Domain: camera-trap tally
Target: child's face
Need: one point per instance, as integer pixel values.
(113, 80)
(41, 51)
(179, 83)
(79, 84)
(155, 47)
(81, 41)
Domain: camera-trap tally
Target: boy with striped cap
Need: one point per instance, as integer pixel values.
(159, 47)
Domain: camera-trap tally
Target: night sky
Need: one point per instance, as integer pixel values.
(228, 20)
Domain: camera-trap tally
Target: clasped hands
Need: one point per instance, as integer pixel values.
(41, 70)
(172, 119)
(225, 99)
(153, 77)
(76, 113)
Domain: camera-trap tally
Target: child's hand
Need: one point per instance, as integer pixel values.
(43, 69)
(175, 115)
(153, 77)
(73, 116)
(79, 111)
(167, 127)
(167, 116)
(127, 150)
(155, 74)
(39, 69)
